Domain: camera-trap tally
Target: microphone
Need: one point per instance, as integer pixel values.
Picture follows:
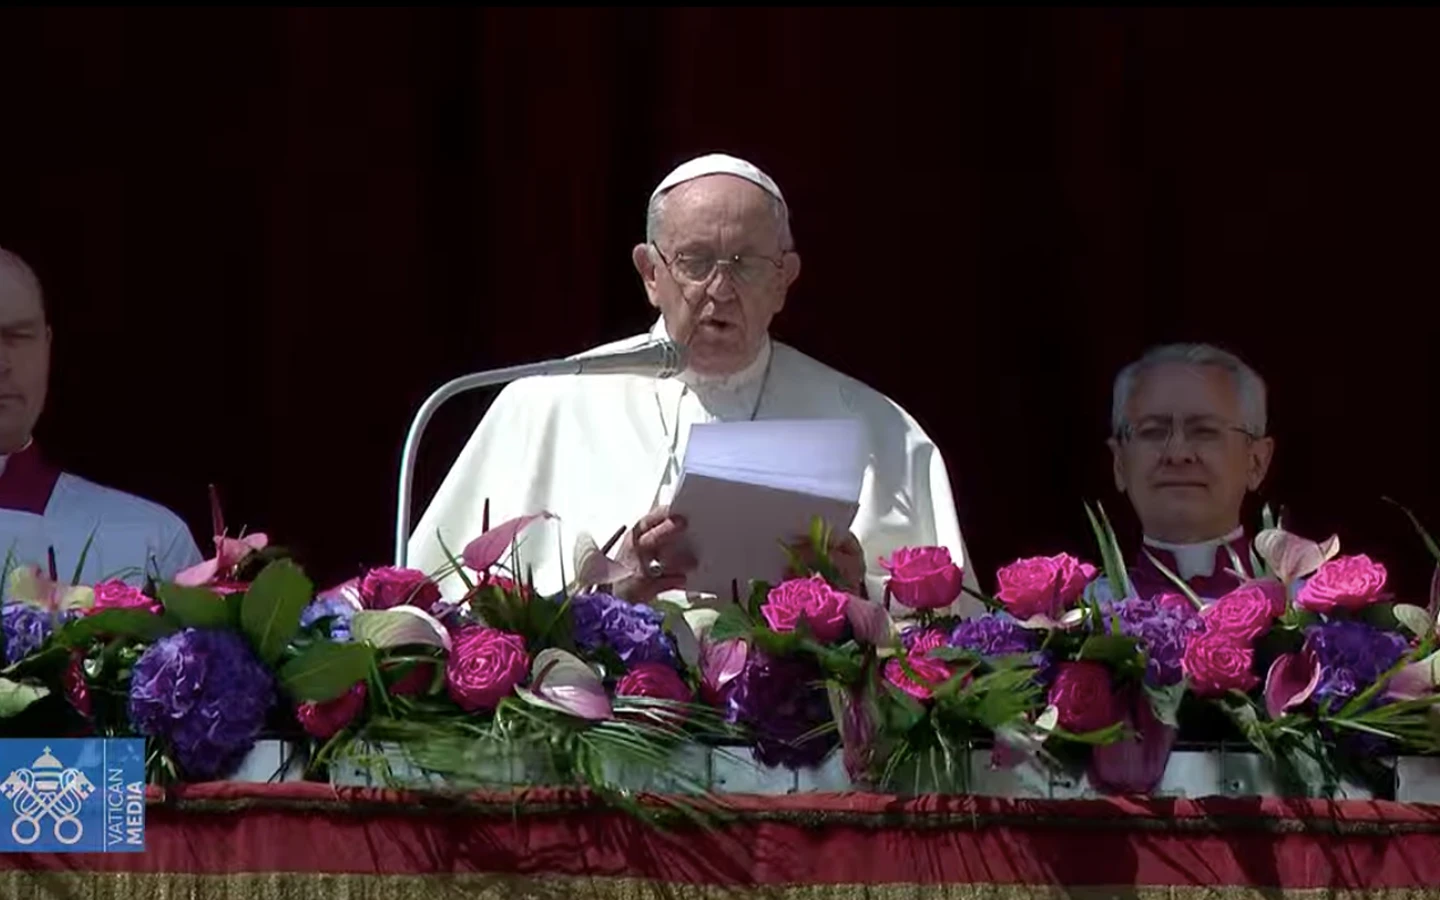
(656, 359)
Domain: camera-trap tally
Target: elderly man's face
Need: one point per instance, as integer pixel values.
(718, 271)
(1185, 459)
(24, 356)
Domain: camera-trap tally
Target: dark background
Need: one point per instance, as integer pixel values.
(267, 234)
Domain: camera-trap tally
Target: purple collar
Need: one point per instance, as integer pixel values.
(27, 482)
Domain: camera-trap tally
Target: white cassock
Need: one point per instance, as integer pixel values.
(600, 451)
(43, 508)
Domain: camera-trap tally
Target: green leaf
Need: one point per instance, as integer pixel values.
(270, 612)
(759, 593)
(1248, 720)
(901, 711)
(194, 607)
(731, 623)
(84, 553)
(1429, 541)
(1165, 702)
(1381, 616)
(15, 696)
(124, 623)
(1109, 648)
(325, 670)
(1176, 580)
(1110, 557)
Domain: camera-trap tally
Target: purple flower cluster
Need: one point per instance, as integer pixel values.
(25, 628)
(633, 630)
(993, 635)
(782, 700)
(1163, 630)
(205, 694)
(1352, 657)
(337, 610)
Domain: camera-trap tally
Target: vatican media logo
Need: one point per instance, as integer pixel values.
(73, 795)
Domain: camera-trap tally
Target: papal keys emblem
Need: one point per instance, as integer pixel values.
(47, 789)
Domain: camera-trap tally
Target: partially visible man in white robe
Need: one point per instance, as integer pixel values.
(44, 509)
(604, 451)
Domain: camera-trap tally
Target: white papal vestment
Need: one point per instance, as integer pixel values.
(599, 451)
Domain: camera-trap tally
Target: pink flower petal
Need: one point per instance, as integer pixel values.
(1291, 557)
(1415, 680)
(199, 574)
(399, 626)
(491, 547)
(722, 663)
(594, 567)
(1290, 682)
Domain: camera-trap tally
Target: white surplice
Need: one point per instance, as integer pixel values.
(128, 536)
(599, 451)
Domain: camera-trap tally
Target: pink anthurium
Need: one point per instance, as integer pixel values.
(491, 547)
(870, 622)
(399, 626)
(721, 662)
(563, 682)
(229, 552)
(592, 566)
(1291, 680)
(1416, 680)
(1291, 557)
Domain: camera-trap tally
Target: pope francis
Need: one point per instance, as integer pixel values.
(604, 451)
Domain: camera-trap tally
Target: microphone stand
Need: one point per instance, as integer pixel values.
(671, 362)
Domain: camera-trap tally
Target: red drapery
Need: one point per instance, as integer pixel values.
(310, 840)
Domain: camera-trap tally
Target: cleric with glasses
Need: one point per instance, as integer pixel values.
(604, 452)
(1189, 443)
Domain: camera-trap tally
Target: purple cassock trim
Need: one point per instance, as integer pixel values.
(27, 482)
(1149, 580)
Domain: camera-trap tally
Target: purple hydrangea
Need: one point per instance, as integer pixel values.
(1353, 656)
(993, 635)
(1163, 630)
(205, 694)
(633, 630)
(783, 699)
(25, 628)
(338, 610)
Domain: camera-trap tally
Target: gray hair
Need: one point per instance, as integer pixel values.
(656, 211)
(1248, 383)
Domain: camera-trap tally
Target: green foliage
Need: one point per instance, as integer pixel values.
(271, 607)
(324, 671)
(193, 607)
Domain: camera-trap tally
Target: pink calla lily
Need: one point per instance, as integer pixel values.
(491, 547)
(1291, 680)
(563, 682)
(1291, 557)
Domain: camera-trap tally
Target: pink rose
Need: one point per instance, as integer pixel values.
(923, 577)
(1083, 697)
(1217, 663)
(1043, 585)
(655, 680)
(1245, 613)
(388, 586)
(325, 720)
(929, 674)
(116, 594)
(485, 665)
(820, 606)
(416, 681)
(1349, 583)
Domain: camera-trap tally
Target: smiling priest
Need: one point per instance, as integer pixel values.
(604, 451)
(43, 508)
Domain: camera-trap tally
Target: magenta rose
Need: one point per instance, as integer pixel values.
(485, 665)
(928, 674)
(115, 594)
(1216, 663)
(1043, 585)
(820, 606)
(388, 586)
(1348, 583)
(325, 720)
(923, 577)
(1245, 613)
(1083, 697)
(655, 680)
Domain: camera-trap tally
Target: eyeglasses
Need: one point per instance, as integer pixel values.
(748, 269)
(1156, 433)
